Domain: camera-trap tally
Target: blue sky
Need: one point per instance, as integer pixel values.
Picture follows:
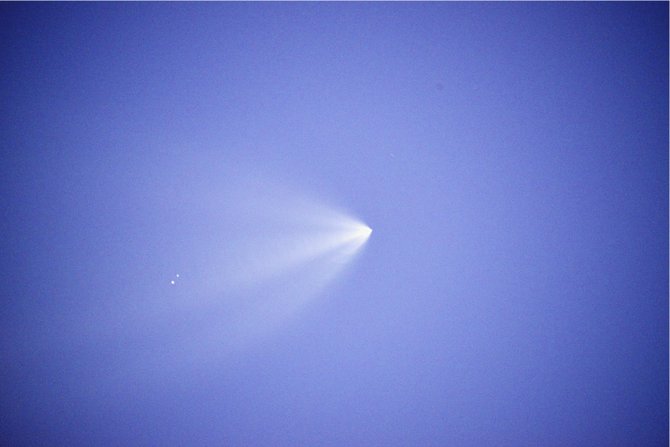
(512, 159)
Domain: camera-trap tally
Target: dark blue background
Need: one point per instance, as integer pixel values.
(512, 159)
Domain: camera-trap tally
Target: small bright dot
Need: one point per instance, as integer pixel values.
(172, 282)
(364, 231)
(177, 275)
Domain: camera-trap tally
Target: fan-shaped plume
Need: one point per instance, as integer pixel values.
(276, 253)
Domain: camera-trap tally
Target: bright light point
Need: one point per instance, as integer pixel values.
(361, 232)
(172, 282)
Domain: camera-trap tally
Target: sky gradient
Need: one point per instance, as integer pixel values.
(511, 158)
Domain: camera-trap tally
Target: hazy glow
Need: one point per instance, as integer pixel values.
(275, 253)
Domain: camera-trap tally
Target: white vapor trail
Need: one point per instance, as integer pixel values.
(276, 253)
